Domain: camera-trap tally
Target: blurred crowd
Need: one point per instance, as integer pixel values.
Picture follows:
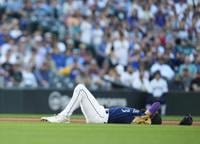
(101, 43)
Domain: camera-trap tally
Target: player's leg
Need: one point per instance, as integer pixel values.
(92, 110)
(149, 101)
(153, 109)
(162, 100)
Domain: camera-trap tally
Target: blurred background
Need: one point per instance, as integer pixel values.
(151, 46)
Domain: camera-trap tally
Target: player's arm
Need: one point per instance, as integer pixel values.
(146, 118)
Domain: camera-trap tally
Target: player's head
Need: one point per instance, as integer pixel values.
(156, 119)
(157, 75)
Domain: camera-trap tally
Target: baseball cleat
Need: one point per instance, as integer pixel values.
(55, 119)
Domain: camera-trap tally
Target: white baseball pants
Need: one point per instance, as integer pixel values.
(91, 109)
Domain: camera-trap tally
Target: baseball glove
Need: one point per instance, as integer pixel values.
(145, 119)
(187, 120)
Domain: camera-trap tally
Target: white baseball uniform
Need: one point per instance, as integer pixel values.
(92, 110)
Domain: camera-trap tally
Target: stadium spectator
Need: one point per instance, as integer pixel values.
(180, 7)
(100, 50)
(115, 32)
(2, 77)
(135, 56)
(197, 62)
(141, 81)
(119, 50)
(86, 30)
(43, 75)
(165, 70)
(28, 78)
(127, 76)
(93, 72)
(159, 88)
(97, 35)
(160, 18)
(195, 83)
(15, 76)
(58, 58)
(187, 71)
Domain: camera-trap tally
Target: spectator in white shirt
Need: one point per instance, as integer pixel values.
(159, 88)
(143, 69)
(127, 76)
(70, 6)
(28, 78)
(197, 25)
(97, 35)
(165, 70)
(141, 81)
(86, 30)
(192, 2)
(120, 50)
(180, 7)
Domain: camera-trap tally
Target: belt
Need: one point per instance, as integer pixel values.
(107, 113)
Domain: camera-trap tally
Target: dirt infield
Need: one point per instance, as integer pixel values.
(82, 121)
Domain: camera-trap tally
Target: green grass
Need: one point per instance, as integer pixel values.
(45, 133)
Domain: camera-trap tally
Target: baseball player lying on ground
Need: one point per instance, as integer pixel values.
(96, 113)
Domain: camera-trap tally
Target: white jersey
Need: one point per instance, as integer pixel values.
(159, 87)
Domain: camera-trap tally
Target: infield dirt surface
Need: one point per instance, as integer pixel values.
(80, 120)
